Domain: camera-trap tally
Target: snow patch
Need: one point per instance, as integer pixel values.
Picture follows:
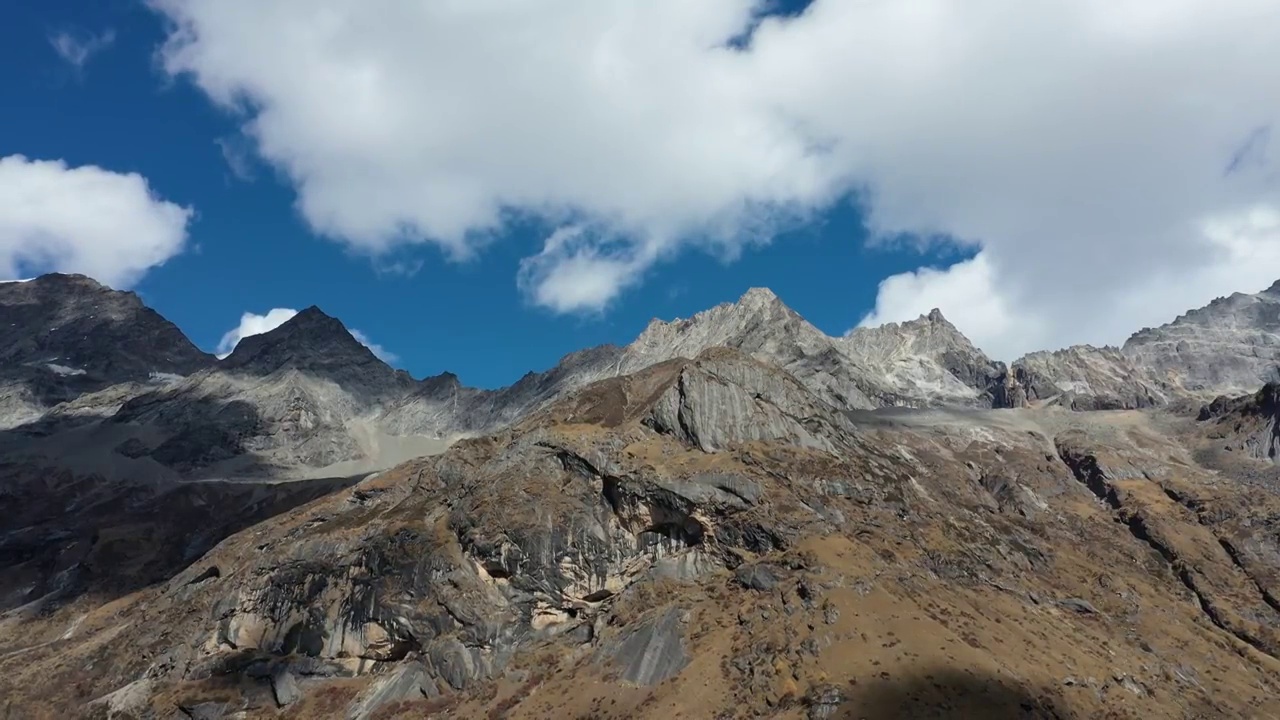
(63, 370)
(164, 377)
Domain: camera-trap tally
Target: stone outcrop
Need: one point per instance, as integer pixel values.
(1241, 436)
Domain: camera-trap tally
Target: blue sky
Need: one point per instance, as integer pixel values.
(840, 100)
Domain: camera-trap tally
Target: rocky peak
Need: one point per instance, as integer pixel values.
(927, 351)
(310, 341)
(73, 322)
(759, 320)
(759, 298)
(931, 332)
(66, 296)
(444, 382)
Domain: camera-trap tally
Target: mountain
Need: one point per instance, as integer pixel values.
(316, 344)
(928, 359)
(735, 515)
(307, 399)
(65, 335)
(706, 537)
(1230, 346)
(303, 397)
(760, 324)
(919, 364)
(1083, 377)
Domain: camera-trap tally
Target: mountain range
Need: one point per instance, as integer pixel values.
(735, 515)
(308, 398)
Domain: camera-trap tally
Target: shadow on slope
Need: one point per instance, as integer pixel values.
(948, 694)
(89, 510)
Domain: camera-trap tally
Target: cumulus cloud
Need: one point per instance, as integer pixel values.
(110, 226)
(967, 292)
(1096, 154)
(575, 270)
(254, 324)
(78, 49)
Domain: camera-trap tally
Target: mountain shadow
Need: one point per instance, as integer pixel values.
(65, 533)
(948, 694)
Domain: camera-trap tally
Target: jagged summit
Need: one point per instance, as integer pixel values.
(756, 320)
(758, 297)
(931, 331)
(311, 341)
(926, 358)
(56, 279)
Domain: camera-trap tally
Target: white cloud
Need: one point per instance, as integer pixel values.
(77, 51)
(382, 353)
(965, 292)
(107, 225)
(1082, 146)
(576, 271)
(254, 324)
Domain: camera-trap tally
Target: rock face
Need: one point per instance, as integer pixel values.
(1084, 377)
(1230, 346)
(65, 335)
(1241, 436)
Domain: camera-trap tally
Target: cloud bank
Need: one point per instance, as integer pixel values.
(110, 226)
(254, 324)
(1110, 161)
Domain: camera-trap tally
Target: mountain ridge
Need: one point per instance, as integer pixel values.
(63, 336)
(309, 383)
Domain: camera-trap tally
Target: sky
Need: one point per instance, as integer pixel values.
(482, 187)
